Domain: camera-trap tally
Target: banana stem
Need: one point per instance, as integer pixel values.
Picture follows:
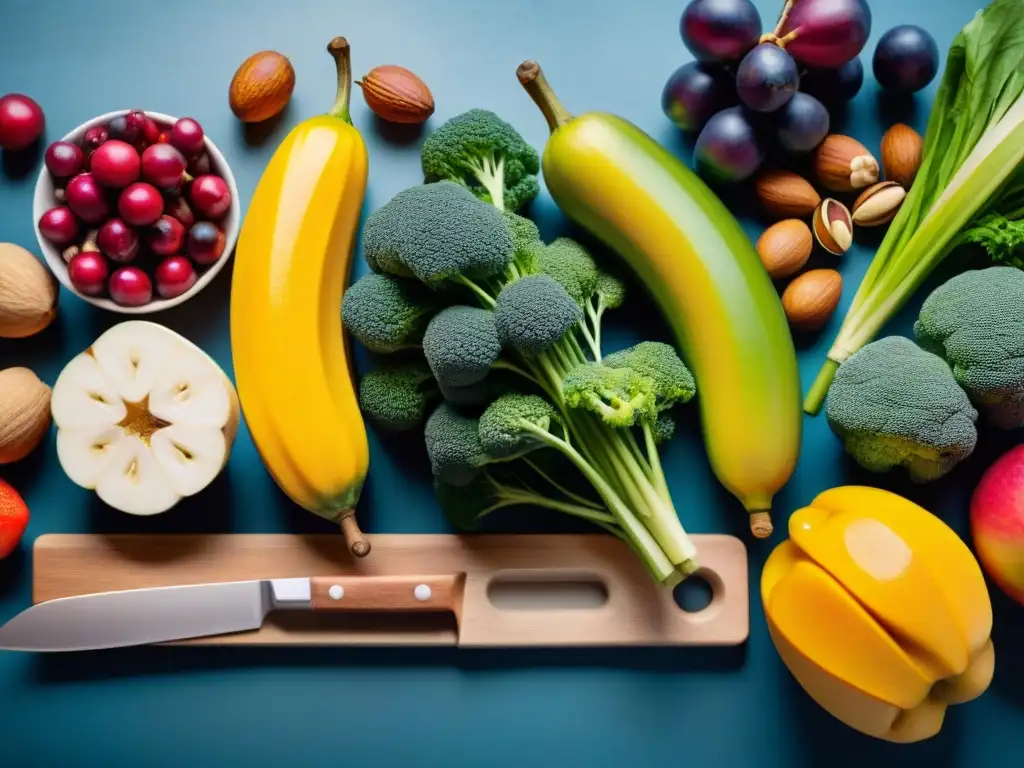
(532, 79)
(357, 542)
(339, 49)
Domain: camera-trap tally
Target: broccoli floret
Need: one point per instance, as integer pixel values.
(673, 382)
(894, 404)
(453, 445)
(482, 152)
(437, 232)
(621, 396)
(461, 343)
(525, 240)
(397, 397)
(504, 426)
(664, 428)
(976, 322)
(610, 291)
(387, 313)
(534, 312)
(570, 265)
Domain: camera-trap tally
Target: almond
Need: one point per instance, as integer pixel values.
(811, 299)
(784, 194)
(878, 204)
(397, 95)
(843, 164)
(262, 87)
(901, 154)
(833, 226)
(785, 247)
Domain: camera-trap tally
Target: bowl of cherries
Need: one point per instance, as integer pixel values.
(136, 211)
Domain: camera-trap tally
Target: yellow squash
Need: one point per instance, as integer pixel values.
(703, 272)
(880, 612)
(291, 267)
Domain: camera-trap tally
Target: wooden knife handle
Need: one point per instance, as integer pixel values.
(431, 593)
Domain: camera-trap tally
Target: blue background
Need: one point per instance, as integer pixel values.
(170, 707)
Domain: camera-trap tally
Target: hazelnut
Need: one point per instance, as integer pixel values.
(832, 225)
(811, 299)
(878, 204)
(901, 154)
(785, 247)
(843, 164)
(784, 194)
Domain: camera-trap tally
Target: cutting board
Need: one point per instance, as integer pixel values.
(512, 590)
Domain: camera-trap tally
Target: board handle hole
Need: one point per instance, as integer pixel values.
(700, 594)
(535, 592)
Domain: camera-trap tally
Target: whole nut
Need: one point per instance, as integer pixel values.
(262, 87)
(901, 154)
(832, 225)
(397, 95)
(785, 247)
(784, 194)
(878, 204)
(811, 299)
(843, 164)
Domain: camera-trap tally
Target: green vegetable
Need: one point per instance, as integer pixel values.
(976, 322)
(673, 382)
(386, 313)
(894, 404)
(622, 397)
(398, 397)
(534, 312)
(453, 445)
(973, 148)
(507, 426)
(486, 155)
(461, 344)
(570, 265)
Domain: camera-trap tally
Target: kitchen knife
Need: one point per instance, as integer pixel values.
(164, 614)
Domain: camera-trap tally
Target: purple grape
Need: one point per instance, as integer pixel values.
(834, 86)
(728, 148)
(828, 32)
(767, 78)
(906, 59)
(802, 124)
(720, 30)
(694, 93)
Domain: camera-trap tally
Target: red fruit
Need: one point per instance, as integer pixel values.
(205, 243)
(118, 241)
(94, 138)
(21, 121)
(199, 166)
(151, 131)
(64, 159)
(88, 273)
(87, 199)
(130, 127)
(175, 276)
(210, 196)
(164, 166)
(140, 204)
(997, 522)
(59, 225)
(13, 519)
(187, 135)
(166, 236)
(115, 164)
(131, 287)
(177, 207)
(827, 33)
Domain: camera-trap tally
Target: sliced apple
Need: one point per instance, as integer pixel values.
(144, 418)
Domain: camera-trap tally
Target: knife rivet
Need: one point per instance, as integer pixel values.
(336, 592)
(421, 592)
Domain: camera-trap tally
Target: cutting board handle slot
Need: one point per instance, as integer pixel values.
(533, 589)
(701, 596)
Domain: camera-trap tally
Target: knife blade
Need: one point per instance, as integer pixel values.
(164, 614)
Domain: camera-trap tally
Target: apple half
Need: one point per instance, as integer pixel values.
(144, 418)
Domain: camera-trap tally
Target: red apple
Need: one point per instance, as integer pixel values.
(997, 522)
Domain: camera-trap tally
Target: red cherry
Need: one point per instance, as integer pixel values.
(87, 198)
(131, 287)
(175, 276)
(199, 166)
(64, 159)
(115, 164)
(21, 121)
(151, 131)
(140, 204)
(166, 236)
(205, 243)
(164, 166)
(88, 273)
(118, 241)
(210, 196)
(94, 138)
(59, 225)
(177, 207)
(187, 135)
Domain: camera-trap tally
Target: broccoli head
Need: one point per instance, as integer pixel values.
(525, 241)
(505, 425)
(894, 404)
(673, 382)
(664, 428)
(461, 343)
(534, 312)
(387, 313)
(453, 445)
(437, 232)
(482, 152)
(610, 291)
(976, 322)
(397, 397)
(570, 265)
(621, 396)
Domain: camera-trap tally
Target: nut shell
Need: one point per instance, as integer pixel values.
(785, 247)
(397, 95)
(24, 413)
(832, 225)
(878, 204)
(28, 293)
(784, 194)
(262, 87)
(811, 299)
(843, 164)
(901, 154)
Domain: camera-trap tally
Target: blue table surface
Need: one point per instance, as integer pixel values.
(205, 707)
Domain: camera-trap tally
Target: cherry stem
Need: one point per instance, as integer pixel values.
(532, 79)
(783, 18)
(339, 49)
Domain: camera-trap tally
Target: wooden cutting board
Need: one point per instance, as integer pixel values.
(517, 590)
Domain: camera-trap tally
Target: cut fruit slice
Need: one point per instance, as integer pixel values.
(144, 418)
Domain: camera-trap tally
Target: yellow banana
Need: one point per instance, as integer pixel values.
(291, 267)
(678, 237)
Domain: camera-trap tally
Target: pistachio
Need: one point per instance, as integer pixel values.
(833, 226)
(878, 204)
(843, 164)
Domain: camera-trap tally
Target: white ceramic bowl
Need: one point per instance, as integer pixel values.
(231, 223)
